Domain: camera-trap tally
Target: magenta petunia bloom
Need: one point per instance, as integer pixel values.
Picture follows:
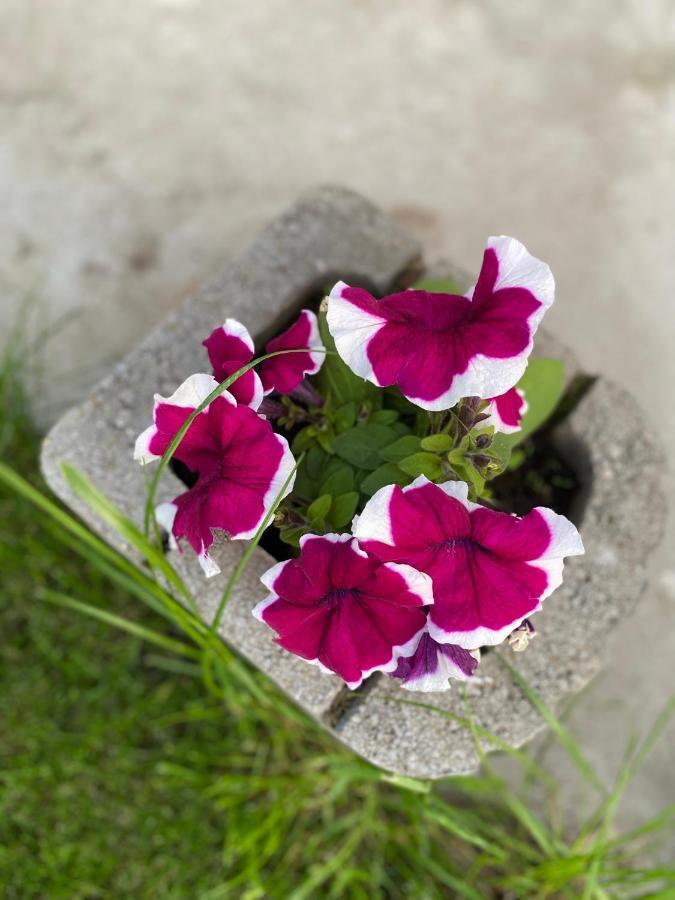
(490, 570)
(505, 413)
(342, 610)
(285, 373)
(432, 665)
(439, 348)
(230, 347)
(240, 462)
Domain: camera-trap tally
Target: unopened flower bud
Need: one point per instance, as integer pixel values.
(307, 394)
(480, 460)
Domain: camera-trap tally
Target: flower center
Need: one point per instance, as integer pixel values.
(337, 596)
(453, 544)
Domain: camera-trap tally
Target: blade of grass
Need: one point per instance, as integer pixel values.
(608, 809)
(100, 504)
(24, 489)
(530, 822)
(147, 590)
(140, 631)
(659, 822)
(488, 736)
(565, 738)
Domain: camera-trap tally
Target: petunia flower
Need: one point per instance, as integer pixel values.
(342, 610)
(505, 413)
(240, 463)
(284, 373)
(432, 665)
(439, 348)
(230, 347)
(490, 570)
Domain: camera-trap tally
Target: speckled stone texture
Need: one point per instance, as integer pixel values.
(330, 233)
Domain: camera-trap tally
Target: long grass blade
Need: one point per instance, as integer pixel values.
(100, 504)
(564, 737)
(140, 631)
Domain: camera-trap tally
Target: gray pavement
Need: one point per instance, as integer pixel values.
(145, 143)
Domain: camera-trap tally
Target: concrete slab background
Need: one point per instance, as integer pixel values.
(145, 143)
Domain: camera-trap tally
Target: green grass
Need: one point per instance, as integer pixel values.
(166, 767)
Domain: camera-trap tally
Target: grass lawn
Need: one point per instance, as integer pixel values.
(127, 771)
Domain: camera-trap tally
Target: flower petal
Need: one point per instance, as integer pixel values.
(505, 413)
(336, 606)
(239, 462)
(439, 348)
(490, 570)
(169, 414)
(284, 373)
(230, 347)
(432, 664)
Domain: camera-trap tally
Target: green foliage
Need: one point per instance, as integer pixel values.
(387, 473)
(402, 448)
(438, 443)
(343, 509)
(422, 463)
(543, 384)
(380, 438)
(361, 446)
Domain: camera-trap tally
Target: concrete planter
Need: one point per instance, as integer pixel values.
(334, 233)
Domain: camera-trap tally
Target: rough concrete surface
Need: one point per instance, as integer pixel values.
(143, 142)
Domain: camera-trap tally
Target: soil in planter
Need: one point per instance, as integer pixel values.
(543, 478)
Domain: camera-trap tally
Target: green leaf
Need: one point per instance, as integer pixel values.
(473, 477)
(438, 286)
(345, 416)
(542, 384)
(335, 379)
(291, 536)
(401, 448)
(384, 417)
(314, 469)
(438, 443)
(303, 440)
(146, 634)
(400, 429)
(422, 464)
(501, 449)
(343, 509)
(325, 440)
(388, 473)
(361, 445)
(340, 480)
(320, 508)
